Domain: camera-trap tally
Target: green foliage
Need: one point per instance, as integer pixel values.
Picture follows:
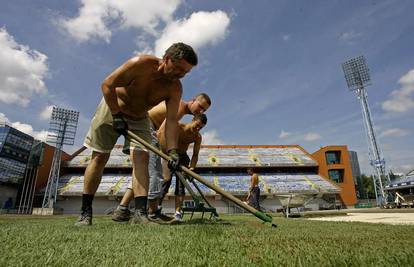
(368, 185)
(241, 241)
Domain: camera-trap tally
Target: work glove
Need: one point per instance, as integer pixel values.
(119, 124)
(174, 161)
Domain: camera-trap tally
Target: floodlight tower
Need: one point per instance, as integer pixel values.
(62, 131)
(357, 77)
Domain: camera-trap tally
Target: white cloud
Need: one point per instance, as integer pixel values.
(402, 100)
(394, 132)
(4, 119)
(211, 138)
(286, 37)
(97, 19)
(28, 129)
(144, 46)
(25, 128)
(407, 167)
(284, 135)
(350, 37)
(312, 136)
(46, 113)
(202, 28)
(22, 71)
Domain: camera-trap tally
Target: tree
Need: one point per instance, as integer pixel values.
(368, 185)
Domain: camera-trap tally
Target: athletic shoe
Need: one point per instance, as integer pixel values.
(121, 215)
(162, 216)
(178, 217)
(85, 219)
(140, 218)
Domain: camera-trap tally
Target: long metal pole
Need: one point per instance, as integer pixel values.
(375, 153)
(22, 195)
(261, 215)
(26, 209)
(34, 191)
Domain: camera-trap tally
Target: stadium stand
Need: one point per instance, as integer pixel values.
(403, 191)
(284, 171)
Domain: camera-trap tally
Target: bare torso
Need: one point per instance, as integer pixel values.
(158, 113)
(254, 181)
(146, 90)
(185, 138)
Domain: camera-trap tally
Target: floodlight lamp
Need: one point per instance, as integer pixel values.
(356, 73)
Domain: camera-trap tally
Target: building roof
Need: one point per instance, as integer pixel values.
(406, 182)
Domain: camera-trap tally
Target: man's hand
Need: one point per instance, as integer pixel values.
(119, 124)
(174, 162)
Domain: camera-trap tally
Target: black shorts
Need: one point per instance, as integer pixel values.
(254, 197)
(179, 186)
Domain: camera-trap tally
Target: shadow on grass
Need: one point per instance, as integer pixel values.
(202, 221)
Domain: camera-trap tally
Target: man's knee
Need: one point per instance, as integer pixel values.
(99, 159)
(139, 156)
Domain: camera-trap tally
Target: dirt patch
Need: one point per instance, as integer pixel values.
(388, 218)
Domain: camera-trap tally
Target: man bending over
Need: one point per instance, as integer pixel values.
(129, 92)
(198, 105)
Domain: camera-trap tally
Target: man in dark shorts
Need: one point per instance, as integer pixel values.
(254, 191)
(129, 92)
(187, 134)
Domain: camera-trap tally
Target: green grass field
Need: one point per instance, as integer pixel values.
(240, 241)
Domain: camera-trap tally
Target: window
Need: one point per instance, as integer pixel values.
(189, 204)
(333, 157)
(336, 175)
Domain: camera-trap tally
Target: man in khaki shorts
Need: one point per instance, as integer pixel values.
(129, 93)
(198, 105)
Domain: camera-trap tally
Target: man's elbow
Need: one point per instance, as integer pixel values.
(105, 87)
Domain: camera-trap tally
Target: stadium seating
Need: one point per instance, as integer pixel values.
(211, 158)
(407, 181)
(116, 184)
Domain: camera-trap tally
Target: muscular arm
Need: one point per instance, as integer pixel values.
(120, 77)
(171, 120)
(196, 150)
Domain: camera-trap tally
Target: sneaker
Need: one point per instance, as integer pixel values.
(121, 215)
(85, 219)
(162, 216)
(178, 217)
(140, 218)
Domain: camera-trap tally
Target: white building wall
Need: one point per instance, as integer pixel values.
(104, 205)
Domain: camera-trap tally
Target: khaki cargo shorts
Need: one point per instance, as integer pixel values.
(101, 137)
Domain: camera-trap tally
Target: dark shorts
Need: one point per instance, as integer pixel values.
(254, 197)
(179, 186)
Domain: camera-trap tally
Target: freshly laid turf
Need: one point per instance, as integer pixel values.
(239, 241)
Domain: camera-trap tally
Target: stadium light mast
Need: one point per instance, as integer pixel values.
(62, 131)
(357, 78)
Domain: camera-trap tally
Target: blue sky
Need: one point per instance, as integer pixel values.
(272, 68)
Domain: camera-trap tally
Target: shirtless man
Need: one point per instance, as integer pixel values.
(187, 134)
(198, 105)
(254, 191)
(129, 92)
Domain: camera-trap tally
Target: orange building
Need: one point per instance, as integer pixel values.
(335, 165)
